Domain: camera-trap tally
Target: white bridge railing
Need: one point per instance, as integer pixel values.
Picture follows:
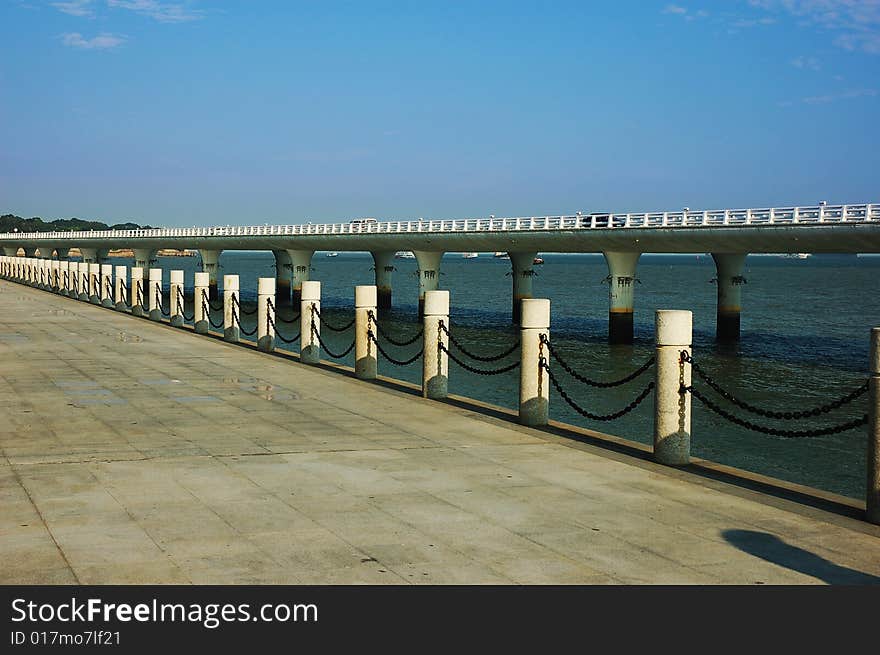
(821, 214)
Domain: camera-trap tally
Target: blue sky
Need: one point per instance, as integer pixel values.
(220, 112)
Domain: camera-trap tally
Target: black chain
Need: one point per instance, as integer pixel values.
(324, 345)
(236, 320)
(180, 309)
(776, 432)
(271, 322)
(478, 371)
(332, 328)
(766, 413)
(594, 383)
(125, 295)
(371, 318)
(243, 311)
(108, 287)
(211, 305)
(206, 310)
(396, 362)
(542, 363)
(278, 314)
(159, 303)
(479, 358)
(140, 296)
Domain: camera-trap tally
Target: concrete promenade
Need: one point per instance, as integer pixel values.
(137, 453)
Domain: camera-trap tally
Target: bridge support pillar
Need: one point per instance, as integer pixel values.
(143, 259)
(621, 282)
(201, 309)
(522, 272)
(63, 253)
(102, 256)
(435, 362)
(872, 495)
(673, 331)
(300, 266)
(46, 252)
(730, 280)
(89, 255)
(366, 359)
(11, 251)
(211, 266)
(283, 273)
(30, 252)
(383, 261)
(429, 274)
(534, 385)
(310, 344)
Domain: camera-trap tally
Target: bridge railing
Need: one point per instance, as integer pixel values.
(820, 214)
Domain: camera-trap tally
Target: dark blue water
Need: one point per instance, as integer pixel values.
(805, 328)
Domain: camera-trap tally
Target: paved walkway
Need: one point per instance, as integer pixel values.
(135, 453)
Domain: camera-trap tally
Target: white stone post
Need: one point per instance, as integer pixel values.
(54, 272)
(672, 409)
(155, 294)
(107, 285)
(63, 276)
(534, 383)
(121, 286)
(230, 327)
(137, 293)
(201, 309)
(366, 364)
(872, 495)
(84, 280)
(265, 312)
(310, 295)
(41, 273)
(94, 283)
(435, 362)
(175, 299)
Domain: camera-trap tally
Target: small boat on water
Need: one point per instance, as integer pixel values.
(332, 254)
(538, 260)
(501, 255)
(469, 255)
(797, 255)
(404, 254)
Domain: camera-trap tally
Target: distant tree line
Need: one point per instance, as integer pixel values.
(11, 223)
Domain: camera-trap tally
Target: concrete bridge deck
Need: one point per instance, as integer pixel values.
(136, 453)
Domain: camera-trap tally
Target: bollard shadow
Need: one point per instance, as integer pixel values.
(771, 548)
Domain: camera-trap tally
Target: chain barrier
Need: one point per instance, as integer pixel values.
(159, 303)
(332, 328)
(206, 310)
(317, 334)
(237, 321)
(211, 305)
(140, 296)
(371, 318)
(766, 413)
(243, 311)
(479, 358)
(180, 309)
(108, 287)
(396, 362)
(278, 314)
(271, 323)
(557, 359)
(542, 363)
(478, 371)
(125, 295)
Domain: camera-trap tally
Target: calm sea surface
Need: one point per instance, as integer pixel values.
(805, 331)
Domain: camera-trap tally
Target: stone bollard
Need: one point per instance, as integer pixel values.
(872, 495)
(435, 362)
(534, 383)
(175, 299)
(107, 285)
(201, 309)
(55, 268)
(94, 283)
(231, 331)
(41, 273)
(84, 281)
(672, 409)
(366, 364)
(310, 295)
(120, 290)
(155, 294)
(63, 277)
(266, 314)
(136, 291)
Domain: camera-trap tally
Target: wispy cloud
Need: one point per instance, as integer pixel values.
(806, 63)
(684, 12)
(856, 23)
(104, 41)
(76, 7)
(833, 97)
(674, 9)
(164, 12)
